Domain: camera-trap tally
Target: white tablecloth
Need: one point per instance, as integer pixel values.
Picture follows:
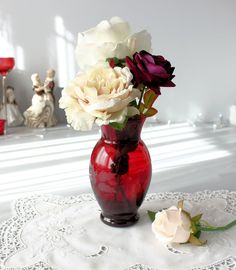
(65, 233)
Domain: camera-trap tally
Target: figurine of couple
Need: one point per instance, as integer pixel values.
(41, 113)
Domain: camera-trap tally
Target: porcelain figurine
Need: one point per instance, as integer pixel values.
(14, 116)
(41, 113)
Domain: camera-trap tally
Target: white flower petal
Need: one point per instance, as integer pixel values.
(109, 39)
(132, 111)
(121, 27)
(118, 117)
(172, 226)
(80, 120)
(101, 106)
(139, 41)
(99, 94)
(181, 235)
(162, 237)
(125, 74)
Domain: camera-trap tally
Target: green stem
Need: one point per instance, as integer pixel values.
(206, 224)
(213, 228)
(140, 100)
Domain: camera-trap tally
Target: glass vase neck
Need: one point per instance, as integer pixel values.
(130, 132)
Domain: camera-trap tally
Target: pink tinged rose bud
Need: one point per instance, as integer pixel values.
(172, 226)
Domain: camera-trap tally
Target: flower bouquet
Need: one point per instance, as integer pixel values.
(116, 88)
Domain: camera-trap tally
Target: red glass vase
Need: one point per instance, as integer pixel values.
(120, 173)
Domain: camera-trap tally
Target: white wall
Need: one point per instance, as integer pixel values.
(198, 36)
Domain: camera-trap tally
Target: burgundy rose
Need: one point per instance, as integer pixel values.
(150, 70)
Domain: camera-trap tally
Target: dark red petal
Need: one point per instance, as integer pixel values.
(159, 58)
(157, 71)
(140, 63)
(172, 70)
(148, 58)
(143, 52)
(168, 84)
(134, 70)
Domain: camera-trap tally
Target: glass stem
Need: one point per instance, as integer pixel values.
(4, 102)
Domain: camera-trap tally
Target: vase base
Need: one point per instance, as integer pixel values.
(120, 222)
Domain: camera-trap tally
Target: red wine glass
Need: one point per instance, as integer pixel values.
(6, 65)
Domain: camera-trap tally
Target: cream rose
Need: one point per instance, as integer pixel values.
(172, 226)
(100, 94)
(110, 39)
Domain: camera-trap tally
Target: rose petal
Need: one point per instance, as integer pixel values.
(181, 235)
(81, 121)
(132, 111)
(168, 84)
(172, 225)
(157, 70)
(118, 117)
(140, 41)
(134, 70)
(109, 39)
(147, 57)
(151, 71)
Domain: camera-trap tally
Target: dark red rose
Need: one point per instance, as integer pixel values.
(153, 71)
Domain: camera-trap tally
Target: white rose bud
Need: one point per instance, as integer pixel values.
(172, 226)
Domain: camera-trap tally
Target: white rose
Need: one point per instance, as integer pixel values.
(100, 94)
(172, 226)
(109, 39)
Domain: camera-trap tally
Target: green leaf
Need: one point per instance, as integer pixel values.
(151, 215)
(133, 103)
(118, 62)
(150, 112)
(194, 229)
(149, 98)
(195, 241)
(118, 126)
(197, 234)
(196, 218)
(141, 108)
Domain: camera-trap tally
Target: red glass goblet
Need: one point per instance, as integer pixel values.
(6, 65)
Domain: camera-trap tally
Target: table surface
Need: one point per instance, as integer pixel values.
(51, 232)
(55, 160)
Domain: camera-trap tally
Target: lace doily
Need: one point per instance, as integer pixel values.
(65, 233)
